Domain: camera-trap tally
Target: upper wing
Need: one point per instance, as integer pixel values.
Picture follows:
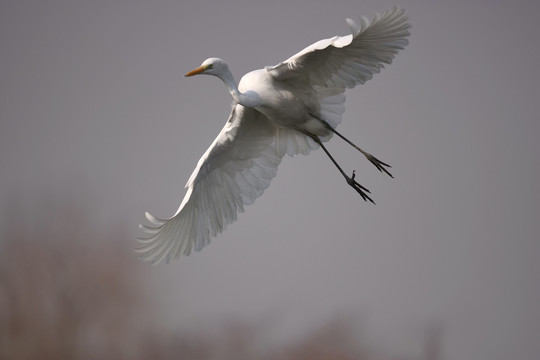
(345, 61)
(233, 172)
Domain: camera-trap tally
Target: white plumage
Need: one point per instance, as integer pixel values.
(290, 108)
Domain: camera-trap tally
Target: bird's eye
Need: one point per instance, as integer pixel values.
(210, 66)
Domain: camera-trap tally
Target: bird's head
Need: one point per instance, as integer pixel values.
(211, 66)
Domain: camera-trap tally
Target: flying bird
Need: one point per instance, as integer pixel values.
(290, 108)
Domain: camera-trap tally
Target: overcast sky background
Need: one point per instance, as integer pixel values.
(94, 110)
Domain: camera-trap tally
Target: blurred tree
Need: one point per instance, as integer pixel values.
(67, 292)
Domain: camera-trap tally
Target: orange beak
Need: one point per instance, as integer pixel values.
(198, 70)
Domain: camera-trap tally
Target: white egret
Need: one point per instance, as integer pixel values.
(290, 108)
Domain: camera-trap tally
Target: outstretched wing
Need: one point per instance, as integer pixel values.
(233, 172)
(346, 61)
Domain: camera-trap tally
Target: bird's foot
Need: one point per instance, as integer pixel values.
(359, 188)
(379, 164)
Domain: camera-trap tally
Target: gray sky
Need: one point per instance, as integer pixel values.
(93, 105)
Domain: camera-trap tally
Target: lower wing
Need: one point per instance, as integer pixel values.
(233, 172)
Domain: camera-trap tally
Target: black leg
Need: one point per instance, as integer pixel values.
(350, 180)
(378, 163)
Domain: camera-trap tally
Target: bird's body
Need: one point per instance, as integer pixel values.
(279, 101)
(290, 108)
(282, 102)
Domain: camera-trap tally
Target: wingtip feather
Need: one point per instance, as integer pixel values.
(154, 220)
(353, 27)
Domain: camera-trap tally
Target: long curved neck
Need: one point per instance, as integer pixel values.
(249, 99)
